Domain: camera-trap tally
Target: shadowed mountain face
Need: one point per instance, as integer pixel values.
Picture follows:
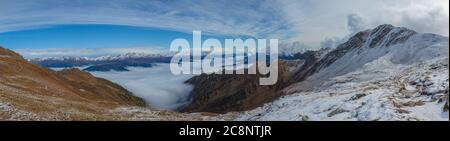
(224, 93)
(67, 94)
(117, 66)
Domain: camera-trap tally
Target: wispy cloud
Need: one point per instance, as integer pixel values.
(253, 18)
(307, 21)
(314, 20)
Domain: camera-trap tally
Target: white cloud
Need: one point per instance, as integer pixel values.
(307, 21)
(355, 23)
(156, 85)
(420, 15)
(313, 21)
(219, 17)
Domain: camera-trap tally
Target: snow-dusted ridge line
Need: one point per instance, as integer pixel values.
(368, 94)
(395, 74)
(105, 58)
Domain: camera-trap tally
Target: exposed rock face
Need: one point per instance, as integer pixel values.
(445, 98)
(223, 93)
(68, 94)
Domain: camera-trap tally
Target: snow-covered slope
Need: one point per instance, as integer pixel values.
(398, 45)
(399, 92)
(388, 73)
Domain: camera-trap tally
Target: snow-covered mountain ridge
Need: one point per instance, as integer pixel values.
(399, 45)
(131, 55)
(400, 92)
(388, 73)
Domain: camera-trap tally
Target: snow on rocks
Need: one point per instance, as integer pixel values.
(9, 112)
(143, 113)
(368, 95)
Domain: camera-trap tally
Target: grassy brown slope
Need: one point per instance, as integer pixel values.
(69, 94)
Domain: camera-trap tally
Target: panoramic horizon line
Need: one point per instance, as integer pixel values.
(283, 19)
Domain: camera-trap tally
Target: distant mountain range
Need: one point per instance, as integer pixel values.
(122, 61)
(104, 63)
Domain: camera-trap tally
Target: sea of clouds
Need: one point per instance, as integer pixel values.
(156, 85)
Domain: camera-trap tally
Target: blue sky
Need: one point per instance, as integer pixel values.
(91, 40)
(97, 36)
(38, 24)
(89, 36)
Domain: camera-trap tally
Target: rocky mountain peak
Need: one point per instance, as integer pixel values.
(387, 35)
(381, 36)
